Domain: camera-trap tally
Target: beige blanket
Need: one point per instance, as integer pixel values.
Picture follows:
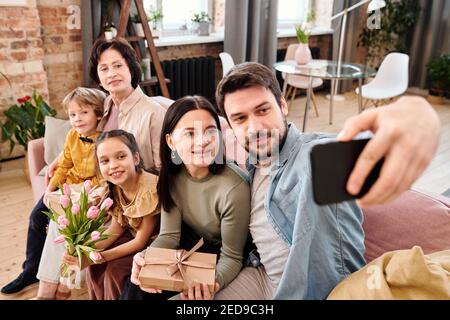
(401, 274)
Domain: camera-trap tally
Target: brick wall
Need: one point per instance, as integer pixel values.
(38, 51)
(62, 50)
(21, 59)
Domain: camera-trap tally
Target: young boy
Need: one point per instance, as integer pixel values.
(76, 164)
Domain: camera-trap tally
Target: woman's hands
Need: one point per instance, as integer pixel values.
(196, 291)
(199, 291)
(138, 263)
(73, 261)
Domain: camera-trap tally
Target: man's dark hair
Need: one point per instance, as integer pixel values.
(246, 75)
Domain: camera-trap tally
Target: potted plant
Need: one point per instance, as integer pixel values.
(26, 121)
(110, 31)
(303, 53)
(202, 21)
(138, 25)
(155, 17)
(438, 75)
(145, 67)
(397, 21)
(303, 31)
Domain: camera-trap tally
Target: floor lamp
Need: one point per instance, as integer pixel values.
(373, 5)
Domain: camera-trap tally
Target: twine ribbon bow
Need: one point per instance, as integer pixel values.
(181, 259)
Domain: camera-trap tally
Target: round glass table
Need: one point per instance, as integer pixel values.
(325, 69)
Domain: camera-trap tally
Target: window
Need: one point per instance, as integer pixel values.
(177, 13)
(292, 12)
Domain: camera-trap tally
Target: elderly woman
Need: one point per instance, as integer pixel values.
(115, 67)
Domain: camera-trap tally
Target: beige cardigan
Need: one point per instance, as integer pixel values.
(143, 117)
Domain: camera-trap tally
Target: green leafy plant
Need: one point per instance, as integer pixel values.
(311, 16)
(397, 21)
(155, 15)
(109, 26)
(201, 17)
(143, 66)
(302, 34)
(303, 31)
(26, 120)
(136, 18)
(439, 74)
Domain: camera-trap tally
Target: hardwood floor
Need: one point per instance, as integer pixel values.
(17, 201)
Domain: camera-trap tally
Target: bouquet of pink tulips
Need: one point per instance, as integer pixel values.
(81, 224)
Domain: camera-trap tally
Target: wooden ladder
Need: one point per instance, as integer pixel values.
(122, 27)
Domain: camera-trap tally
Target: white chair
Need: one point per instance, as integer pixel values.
(391, 79)
(227, 62)
(299, 82)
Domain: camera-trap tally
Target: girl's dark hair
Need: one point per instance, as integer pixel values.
(125, 49)
(127, 138)
(168, 168)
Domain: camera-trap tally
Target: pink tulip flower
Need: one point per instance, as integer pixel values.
(95, 235)
(59, 239)
(64, 201)
(66, 189)
(92, 213)
(63, 222)
(107, 203)
(95, 256)
(88, 186)
(75, 209)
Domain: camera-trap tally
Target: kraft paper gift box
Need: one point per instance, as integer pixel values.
(162, 269)
(51, 200)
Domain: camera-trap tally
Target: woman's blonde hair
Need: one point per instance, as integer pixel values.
(86, 97)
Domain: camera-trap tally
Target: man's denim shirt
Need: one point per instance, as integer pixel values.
(326, 242)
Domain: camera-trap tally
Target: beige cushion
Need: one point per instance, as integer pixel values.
(54, 137)
(43, 171)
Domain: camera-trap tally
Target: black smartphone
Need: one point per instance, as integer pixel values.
(331, 165)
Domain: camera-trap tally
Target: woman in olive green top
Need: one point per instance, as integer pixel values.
(198, 191)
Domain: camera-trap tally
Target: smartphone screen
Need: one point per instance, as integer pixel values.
(331, 165)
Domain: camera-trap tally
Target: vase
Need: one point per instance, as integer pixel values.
(203, 29)
(139, 29)
(147, 69)
(108, 35)
(302, 54)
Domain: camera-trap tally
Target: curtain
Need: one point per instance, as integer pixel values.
(251, 30)
(431, 38)
(90, 29)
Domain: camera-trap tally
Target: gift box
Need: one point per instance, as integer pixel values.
(175, 270)
(51, 200)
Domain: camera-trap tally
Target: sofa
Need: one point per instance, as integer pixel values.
(415, 218)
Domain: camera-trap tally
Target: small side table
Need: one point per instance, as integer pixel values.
(325, 69)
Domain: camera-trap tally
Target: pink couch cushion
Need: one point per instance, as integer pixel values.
(413, 219)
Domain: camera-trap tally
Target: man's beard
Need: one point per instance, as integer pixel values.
(274, 140)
